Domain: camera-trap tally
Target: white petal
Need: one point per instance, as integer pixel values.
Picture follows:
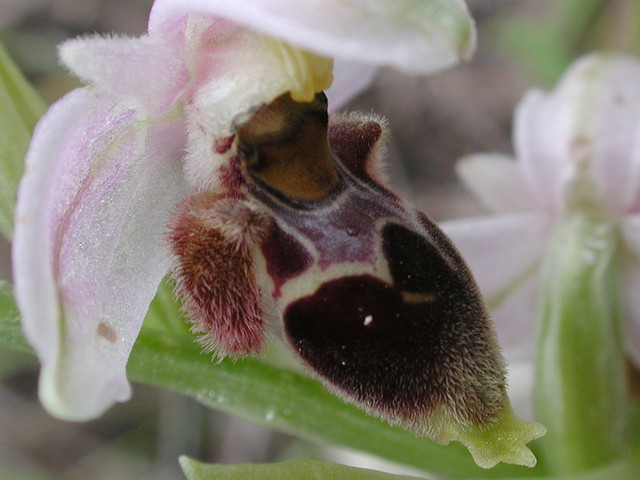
(150, 70)
(414, 36)
(516, 317)
(497, 181)
(504, 253)
(88, 252)
(541, 131)
(349, 79)
(592, 119)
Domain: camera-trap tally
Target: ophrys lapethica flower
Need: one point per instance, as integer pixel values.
(373, 297)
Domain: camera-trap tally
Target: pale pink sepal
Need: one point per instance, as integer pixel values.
(541, 146)
(149, 70)
(497, 181)
(417, 37)
(504, 253)
(88, 250)
(591, 122)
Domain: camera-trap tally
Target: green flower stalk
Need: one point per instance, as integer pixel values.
(581, 388)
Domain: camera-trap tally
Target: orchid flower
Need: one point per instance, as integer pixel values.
(558, 259)
(106, 164)
(204, 149)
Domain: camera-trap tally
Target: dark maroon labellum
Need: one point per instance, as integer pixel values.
(374, 298)
(391, 316)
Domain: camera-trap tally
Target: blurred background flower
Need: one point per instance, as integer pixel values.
(434, 121)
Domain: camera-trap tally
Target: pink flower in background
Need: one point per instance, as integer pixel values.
(576, 147)
(109, 162)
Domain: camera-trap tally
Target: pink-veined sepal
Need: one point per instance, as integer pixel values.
(88, 252)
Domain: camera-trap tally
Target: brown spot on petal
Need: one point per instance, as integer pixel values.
(106, 332)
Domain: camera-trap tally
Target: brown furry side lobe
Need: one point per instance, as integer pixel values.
(359, 141)
(214, 271)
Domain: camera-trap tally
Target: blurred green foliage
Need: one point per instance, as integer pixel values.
(545, 44)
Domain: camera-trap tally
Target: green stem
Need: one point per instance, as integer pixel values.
(21, 109)
(581, 389)
(634, 13)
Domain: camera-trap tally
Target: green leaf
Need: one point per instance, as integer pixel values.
(291, 470)
(165, 312)
(546, 45)
(534, 48)
(313, 469)
(21, 107)
(10, 333)
(26, 100)
(283, 399)
(289, 401)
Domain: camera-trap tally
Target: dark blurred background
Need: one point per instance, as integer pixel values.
(434, 121)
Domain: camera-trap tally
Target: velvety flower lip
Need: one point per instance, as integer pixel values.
(109, 162)
(576, 147)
